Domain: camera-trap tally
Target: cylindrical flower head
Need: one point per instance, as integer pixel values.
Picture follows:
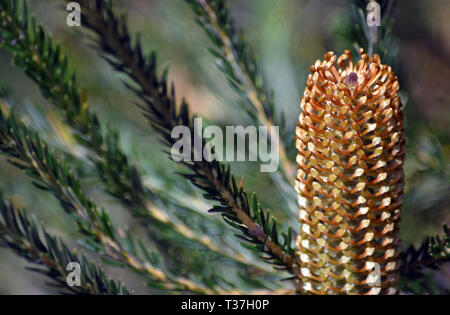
(351, 145)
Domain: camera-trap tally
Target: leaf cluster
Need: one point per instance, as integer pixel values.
(30, 240)
(158, 103)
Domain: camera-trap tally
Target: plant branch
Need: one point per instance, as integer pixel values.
(240, 67)
(160, 108)
(44, 62)
(433, 252)
(376, 40)
(30, 240)
(28, 152)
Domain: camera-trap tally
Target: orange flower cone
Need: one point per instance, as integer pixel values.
(351, 145)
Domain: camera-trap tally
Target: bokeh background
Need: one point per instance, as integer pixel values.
(288, 36)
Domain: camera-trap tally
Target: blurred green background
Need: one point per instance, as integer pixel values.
(288, 36)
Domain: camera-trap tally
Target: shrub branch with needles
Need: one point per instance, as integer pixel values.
(34, 51)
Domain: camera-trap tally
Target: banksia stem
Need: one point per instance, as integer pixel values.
(350, 180)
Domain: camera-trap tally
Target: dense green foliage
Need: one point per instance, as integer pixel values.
(171, 257)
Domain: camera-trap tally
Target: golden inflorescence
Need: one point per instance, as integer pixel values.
(351, 145)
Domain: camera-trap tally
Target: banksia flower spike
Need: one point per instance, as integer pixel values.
(351, 145)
